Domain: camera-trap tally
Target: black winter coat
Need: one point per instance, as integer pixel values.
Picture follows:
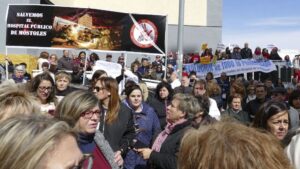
(167, 157)
(121, 132)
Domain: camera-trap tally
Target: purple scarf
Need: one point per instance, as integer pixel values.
(164, 134)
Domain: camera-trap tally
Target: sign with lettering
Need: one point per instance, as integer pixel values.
(66, 27)
(231, 67)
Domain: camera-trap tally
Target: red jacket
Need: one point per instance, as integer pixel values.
(99, 161)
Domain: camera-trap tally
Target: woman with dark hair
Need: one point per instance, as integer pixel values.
(53, 59)
(81, 55)
(116, 121)
(44, 56)
(164, 92)
(202, 117)
(146, 126)
(134, 69)
(92, 60)
(161, 100)
(97, 74)
(80, 60)
(294, 100)
(265, 53)
(43, 87)
(199, 89)
(257, 54)
(210, 77)
(274, 117)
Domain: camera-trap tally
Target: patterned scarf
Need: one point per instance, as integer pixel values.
(164, 134)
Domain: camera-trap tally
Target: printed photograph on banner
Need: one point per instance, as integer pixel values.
(86, 30)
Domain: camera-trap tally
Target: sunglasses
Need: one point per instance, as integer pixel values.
(97, 88)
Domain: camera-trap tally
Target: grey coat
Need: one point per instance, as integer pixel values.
(105, 149)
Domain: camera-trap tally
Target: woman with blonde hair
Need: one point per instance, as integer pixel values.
(15, 99)
(230, 145)
(214, 91)
(238, 87)
(81, 110)
(34, 142)
(116, 122)
(63, 88)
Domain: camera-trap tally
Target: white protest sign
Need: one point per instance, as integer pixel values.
(221, 47)
(111, 68)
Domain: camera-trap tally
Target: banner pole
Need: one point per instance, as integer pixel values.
(6, 61)
(125, 65)
(180, 36)
(85, 65)
(166, 48)
(6, 64)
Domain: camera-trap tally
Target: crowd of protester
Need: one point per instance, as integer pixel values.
(228, 122)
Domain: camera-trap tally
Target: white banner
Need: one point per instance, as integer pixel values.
(112, 69)
(232, 67)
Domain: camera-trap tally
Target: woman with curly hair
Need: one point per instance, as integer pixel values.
(161, 100)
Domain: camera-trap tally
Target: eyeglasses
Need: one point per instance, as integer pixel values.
(97, 88)
(43, 88)
(89, 114)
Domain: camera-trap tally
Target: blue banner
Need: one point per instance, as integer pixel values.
(231, 67)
